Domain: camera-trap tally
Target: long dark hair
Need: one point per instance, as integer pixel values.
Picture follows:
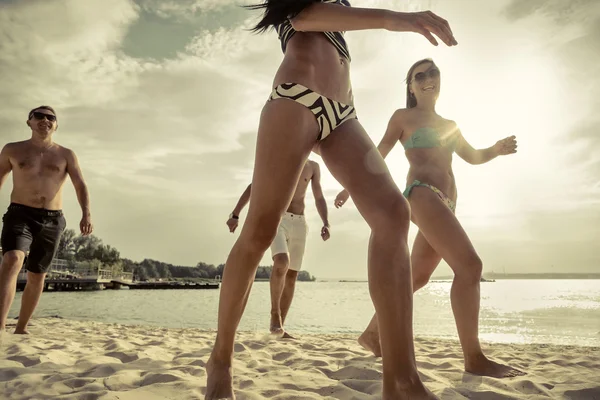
(411, 100)
(277, 11)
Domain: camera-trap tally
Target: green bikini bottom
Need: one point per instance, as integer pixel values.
(445, 199)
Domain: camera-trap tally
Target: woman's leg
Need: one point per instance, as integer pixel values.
(286, 135)
(281, 264)
(444, 233)
(355, 162)
(439, 228)
(424, 260)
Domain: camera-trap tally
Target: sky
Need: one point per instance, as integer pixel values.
(160, 101)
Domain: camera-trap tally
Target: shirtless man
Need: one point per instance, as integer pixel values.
(34, 221)
(288, 246)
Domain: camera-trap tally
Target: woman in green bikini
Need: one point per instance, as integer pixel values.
(430, 141)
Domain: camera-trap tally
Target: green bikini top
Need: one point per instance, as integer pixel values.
(426, 138)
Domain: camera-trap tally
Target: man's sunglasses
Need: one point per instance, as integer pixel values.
(431, 73)
(41, 116)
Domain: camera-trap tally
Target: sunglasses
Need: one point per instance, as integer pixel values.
(431, 73)
(41, 116)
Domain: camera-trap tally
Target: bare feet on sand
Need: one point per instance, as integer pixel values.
(370, 341)
(21, 331)
(287, 336)
(276, 325)
(479, 365)
(219, 381)
(413, 391)
(483, 366)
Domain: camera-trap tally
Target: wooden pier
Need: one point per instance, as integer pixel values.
(170, 285)
(65, 277)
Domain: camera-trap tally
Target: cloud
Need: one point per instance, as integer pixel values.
(185, 9)
(561, 12)
(165, 27)
(573, 36)
(66, 54)
(149, 133)
(122, 113)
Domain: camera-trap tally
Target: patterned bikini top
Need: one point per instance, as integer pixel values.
(286, 31)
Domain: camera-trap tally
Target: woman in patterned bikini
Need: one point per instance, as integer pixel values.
(429, 142)
(311, 109)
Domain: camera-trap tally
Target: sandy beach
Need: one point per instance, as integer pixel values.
(67, 359)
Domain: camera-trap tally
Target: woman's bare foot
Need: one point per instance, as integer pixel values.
(219, 380)
(481, 365)
(21, 331)
(370, 341)
(414, 391)
(276, 327)
(287, 336)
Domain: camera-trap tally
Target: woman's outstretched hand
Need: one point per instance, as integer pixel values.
(506, 146)
(425, 22)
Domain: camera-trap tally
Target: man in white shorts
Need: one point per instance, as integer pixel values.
(287, 249)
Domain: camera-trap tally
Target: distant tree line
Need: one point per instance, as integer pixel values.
(90, 251)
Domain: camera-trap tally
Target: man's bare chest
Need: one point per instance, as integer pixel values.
(40, 163)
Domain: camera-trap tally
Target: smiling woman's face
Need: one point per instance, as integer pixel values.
(425, 82)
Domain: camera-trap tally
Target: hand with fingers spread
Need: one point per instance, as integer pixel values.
(341, 198)
(85, 226)
(506, 146)
(425, 22)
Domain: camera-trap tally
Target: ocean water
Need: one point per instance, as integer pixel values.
(565, 312)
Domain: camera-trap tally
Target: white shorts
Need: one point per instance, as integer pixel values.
(291, 239)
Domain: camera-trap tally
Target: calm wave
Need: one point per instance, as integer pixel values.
(517, 311)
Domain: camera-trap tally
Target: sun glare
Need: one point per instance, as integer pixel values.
(521, 97)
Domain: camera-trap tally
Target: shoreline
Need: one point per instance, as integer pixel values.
(347, 334)
(65, 357)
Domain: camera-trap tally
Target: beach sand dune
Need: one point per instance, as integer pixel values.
(65, 359)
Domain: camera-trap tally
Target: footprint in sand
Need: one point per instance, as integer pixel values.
(103, 371)
(123, 380)
(364, 386)
(352, 372)
(190, 370)
(583, 394)
(7, 375)
(77, 383)
(26, 361)
(283, 356)
(122, 356)
(153, 378)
